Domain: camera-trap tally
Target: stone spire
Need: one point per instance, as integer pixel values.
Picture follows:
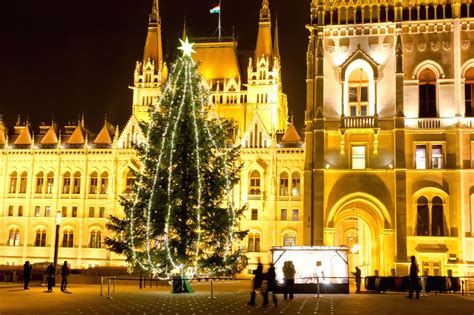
(264, 37)
(276, 44)
(153, 46)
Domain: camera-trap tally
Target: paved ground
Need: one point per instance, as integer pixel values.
(231, 298)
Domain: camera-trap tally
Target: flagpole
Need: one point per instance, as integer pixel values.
(219, 26)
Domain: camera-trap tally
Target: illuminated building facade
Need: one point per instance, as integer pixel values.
(81, 174)
(389, 133)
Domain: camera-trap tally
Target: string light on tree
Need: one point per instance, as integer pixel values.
(181, 216)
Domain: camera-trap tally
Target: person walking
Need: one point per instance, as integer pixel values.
(271, 286)
(64, 276)
(50, 273)
(358, 277)
(289, 279)
(26, 274)
(257, 282)
(414, 281)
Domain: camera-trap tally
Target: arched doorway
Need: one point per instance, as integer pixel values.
(362, 223)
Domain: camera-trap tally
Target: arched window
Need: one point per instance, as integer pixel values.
(437, 217)
(253, 242)
(23, 181)
(469, 91)
(66, 183)
(129, 182)
(254, 188)
(68, 238)
(358, 98)
(295, 184)
(104, 183)
(427, 94)
(49, 183)
(40, 239)
(14, 237)
(13, 182)
(422, 222)
(284, 184)
(39, 183)
(94, 180)
(289, 239)
(96, 239)
(76, 188)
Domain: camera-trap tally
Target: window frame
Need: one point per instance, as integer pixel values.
(366, 158)
(429, 154)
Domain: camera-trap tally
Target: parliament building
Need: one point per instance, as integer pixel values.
(385, 165)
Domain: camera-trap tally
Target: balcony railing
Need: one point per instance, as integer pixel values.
(358, 122)
(429, 123)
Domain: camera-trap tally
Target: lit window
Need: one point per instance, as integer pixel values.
(284, 184)
(420, 157)
(74, 212)
(77, 183)
(358, 157)
(102, 212)
(289, 239)
(437, 156)
(23, 180)
(13, 182)
(39, 183)
(104, 182)
(254, 214)
(68, 238)
(40, 239)
(93, 183)
(253, 242)
(96, 239)
(294, 215)
(129, 182)
(14, 237)
(37, 211)
(295, 184)
(254, 183)
(47, 211)
(49, 183)
(284, 214)
(358, 97)
(67, 183)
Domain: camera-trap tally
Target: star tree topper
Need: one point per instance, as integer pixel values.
(186, 47)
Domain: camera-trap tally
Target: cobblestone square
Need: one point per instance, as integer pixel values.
(230, 298)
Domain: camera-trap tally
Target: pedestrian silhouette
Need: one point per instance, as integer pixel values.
(358, 277)
(289, 279)
(64, 276)
(271, 286)
(50, 273)
(414, 281)
(257, 282)
(26, 274)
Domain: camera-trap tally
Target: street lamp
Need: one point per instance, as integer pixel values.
(56, 242)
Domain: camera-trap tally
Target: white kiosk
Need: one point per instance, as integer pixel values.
(324, 264)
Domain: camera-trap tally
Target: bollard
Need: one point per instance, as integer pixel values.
(212, 289)
(140, 279)
(101, 286)
(462, 287)
(108, 289)
(115, 280)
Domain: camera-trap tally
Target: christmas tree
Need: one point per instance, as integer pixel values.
(180, 216)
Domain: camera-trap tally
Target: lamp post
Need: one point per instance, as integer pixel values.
(56, 242)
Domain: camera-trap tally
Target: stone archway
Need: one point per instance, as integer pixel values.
(360, 219)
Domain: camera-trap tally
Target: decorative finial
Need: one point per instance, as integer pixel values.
(18, 120)
(186, 47)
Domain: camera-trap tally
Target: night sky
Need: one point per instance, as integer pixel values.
(67, 57)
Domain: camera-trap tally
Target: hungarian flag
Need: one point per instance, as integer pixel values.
(216, 9)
